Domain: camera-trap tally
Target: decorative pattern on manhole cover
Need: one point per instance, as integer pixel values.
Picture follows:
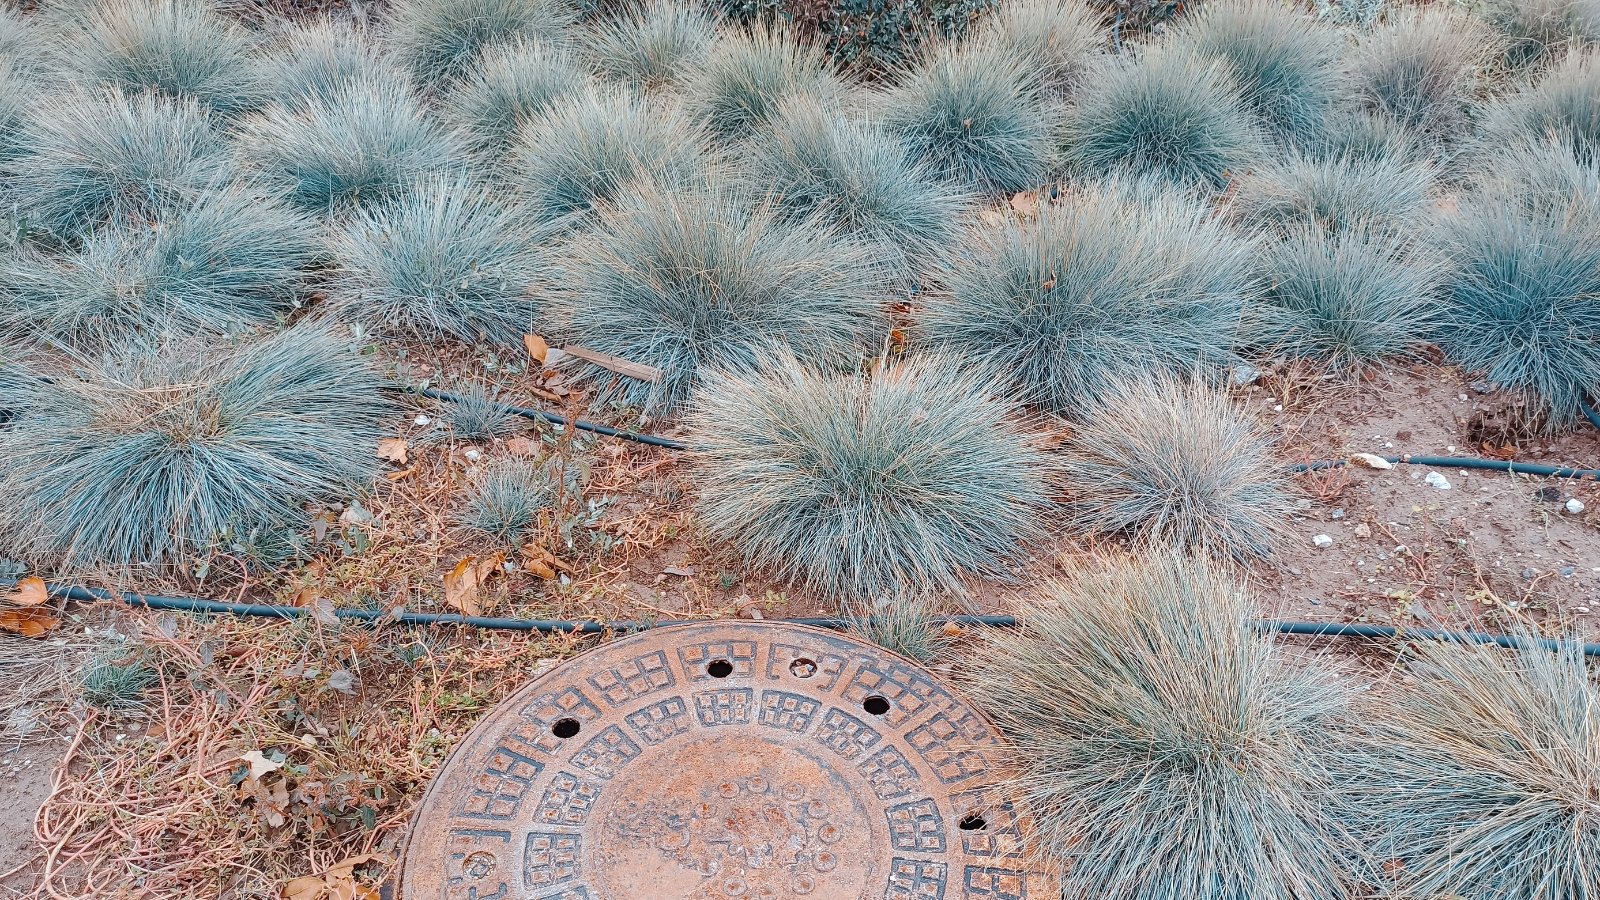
(745, 761)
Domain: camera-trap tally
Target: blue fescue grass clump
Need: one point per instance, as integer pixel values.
(856, 486)
(232, 259)
(1522, 301)
(17, 94)
(1422, 70)
(479, 414)
(20, 42)
(315, 61)
(1482, 775)
(820, 164)
(1348, 298)
(1535, 32)
(1354, 133)
(587, 150)
(215, 439)
(178, 48)
(1540, 176)
(975, 116)
(749, 74)
(359, 148)
(115, 680)
(1171, 463)
(696, 281)
(508, 498)
(1103, 285)
(1563, 108)
(652, 45)
(1164, 750)
(903, 623)
(83, 160)
(508, 87)
(1169, 114)
(1056, 39)
(437, 40)
(1286, 63)
(1338, 193)
(449, 258)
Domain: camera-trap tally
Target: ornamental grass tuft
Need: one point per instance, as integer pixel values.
(1172, 463)
(906, 479)
(150, 455)
(696, 281)
(1481, 776)
(1164, 749)
(1122, 281)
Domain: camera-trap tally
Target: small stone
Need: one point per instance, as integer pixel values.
(422, 420)
(1363, 530)
(1302, 503)
(1322, 541)
(1434, 479)
(1315, 602)
(1462, 396)
(1530, 574)
(1567, 571)
(1481, 387)
(1243, 374)
(473, 455)
(1575, 506)
(1295, 571)
(1582, 609)
(1336, 515)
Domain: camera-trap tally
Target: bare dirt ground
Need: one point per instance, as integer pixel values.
(351, 721)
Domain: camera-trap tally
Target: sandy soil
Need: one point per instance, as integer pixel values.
(24, 783)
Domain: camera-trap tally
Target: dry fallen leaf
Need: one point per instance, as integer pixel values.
(394, 450)
(521, 446)
(29, 592)
(992, 217)
(537, 348)
(336, 883)
(259, 764)
(462, 582)
(1025, 203)
(539, 561)
(28, 621)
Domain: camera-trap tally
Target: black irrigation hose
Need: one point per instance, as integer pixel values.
(1590, 414)
(548, 626)
(1462, 462)
(554, 419)
(1457, 462)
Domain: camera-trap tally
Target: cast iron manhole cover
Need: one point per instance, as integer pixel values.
(716, 761)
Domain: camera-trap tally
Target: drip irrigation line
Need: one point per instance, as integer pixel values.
(1456, 462)
(556, 419)
(1462, 462)
(567, 626)
(1590, 414)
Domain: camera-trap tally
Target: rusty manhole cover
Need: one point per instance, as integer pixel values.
(716, 761)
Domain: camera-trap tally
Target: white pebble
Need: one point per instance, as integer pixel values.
(1322, 541)
(422, 420)
(473, 455)
(1575, 506)
(1434, 479)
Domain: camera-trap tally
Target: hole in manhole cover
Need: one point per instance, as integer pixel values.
(723, 762)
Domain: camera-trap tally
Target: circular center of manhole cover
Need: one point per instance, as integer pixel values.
(746, 761)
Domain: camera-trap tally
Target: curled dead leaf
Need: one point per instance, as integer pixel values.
(537, 347)
(1025, 203)
(462, 582)
(394, 449)
(337, 882)
(29, 592)
(28, 621)
(259, 764)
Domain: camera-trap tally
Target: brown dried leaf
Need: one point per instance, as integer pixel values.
(259, 764)
(462, 582)
(394, 450)
(539, 561)
(28, 621)
(1025, 203)
(336, 883)
(29, 592)
(521, 446)
(538, 349)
